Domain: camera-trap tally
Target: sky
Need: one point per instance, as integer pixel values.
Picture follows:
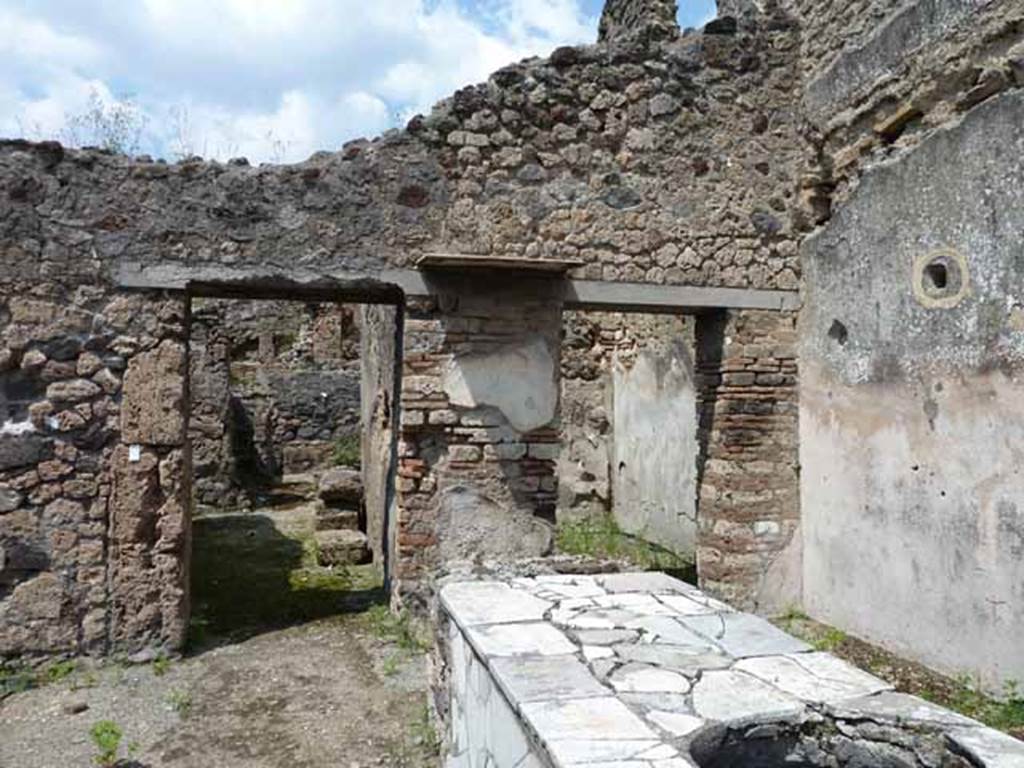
(270, 80)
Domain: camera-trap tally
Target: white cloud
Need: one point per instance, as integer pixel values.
(27, 38)
(270, 79)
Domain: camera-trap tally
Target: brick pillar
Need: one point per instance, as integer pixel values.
(748, 476)
(479, 433)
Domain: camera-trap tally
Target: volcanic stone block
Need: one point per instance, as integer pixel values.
(72, 391)
(137, 497)
(329, 519)
(153, 412)
(23, 450)
(342, 486)
(342, 548)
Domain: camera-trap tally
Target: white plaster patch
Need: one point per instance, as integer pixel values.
(17, 428)
(520, 381)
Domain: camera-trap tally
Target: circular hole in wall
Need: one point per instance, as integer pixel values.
(940, 279)
(936, 277)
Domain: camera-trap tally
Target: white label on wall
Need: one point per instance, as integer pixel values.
(134, 453)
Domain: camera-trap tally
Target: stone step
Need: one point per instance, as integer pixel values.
(342, 548)
(304, 484)
(331, 519)
(342, 487)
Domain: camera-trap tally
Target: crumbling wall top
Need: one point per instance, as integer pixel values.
(654, 19)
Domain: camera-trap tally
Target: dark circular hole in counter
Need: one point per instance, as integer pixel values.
(824, 744)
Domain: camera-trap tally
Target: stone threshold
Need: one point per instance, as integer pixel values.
(640, 670)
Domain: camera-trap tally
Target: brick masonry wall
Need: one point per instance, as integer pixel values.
(479, 433)
(749, 504)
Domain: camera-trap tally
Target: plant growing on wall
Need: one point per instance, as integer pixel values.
(115, 126)
(347, 452)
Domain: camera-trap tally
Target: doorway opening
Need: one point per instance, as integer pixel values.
(628, 470)
(292, 413)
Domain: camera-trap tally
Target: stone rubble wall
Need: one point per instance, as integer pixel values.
(667, 161)
(915, 70)
(648, 157)
(829, 28)
(623, 18)
(94, 535)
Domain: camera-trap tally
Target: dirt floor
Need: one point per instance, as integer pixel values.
(291, 665)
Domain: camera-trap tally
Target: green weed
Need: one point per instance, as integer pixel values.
(248, 575)
(399, 628)
(602, 537)
(181, 702)
(425, 734)
(87, 679)
(348, 452)
(60, 670)
(16, 679)
(832, 639)
(391, 665)
(1004, 714)
(161, 666)
(106, 736)
(793, 613)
